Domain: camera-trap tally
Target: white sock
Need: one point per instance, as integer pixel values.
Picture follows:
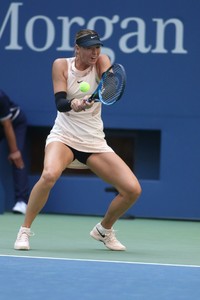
(101, 228)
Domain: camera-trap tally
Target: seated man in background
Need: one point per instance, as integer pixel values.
(13, 127)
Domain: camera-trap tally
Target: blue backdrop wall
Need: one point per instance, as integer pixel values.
(158, 43)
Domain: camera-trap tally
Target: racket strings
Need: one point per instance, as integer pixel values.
(113, 85)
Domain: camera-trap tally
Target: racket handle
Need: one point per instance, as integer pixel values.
(89, 100)
(92, 98)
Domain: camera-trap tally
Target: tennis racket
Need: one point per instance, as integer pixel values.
(111, 86)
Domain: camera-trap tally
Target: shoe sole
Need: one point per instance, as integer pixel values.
(18, 212)
(21, 248)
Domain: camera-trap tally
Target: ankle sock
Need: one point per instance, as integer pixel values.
(102, 229)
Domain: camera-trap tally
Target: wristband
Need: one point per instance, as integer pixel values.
(62, 103)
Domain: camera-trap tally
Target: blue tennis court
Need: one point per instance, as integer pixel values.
(40, 278)
(162, 260)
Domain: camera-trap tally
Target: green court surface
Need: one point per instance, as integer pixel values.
(67, 236)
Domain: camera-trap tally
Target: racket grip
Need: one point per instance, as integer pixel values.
(89, 100)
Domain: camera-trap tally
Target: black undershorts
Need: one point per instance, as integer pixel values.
(80, 156)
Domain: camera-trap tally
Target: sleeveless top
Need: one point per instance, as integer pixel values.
(83, 130)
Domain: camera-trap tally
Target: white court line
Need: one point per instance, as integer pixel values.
(102, 261)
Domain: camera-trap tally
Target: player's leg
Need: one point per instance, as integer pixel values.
(57, 157)
(112, 169)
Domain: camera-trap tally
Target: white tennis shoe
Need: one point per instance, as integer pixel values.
(22, 241)
(108, 238)
(20, 207)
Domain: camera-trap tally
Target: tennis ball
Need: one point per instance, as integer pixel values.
(84, 86)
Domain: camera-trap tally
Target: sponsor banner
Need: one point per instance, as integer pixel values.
(157, 44)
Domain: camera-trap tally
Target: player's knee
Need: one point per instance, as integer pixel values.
(133, 192)
(50, 177)
(138, 190)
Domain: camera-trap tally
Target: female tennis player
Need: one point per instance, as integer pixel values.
(77, 140)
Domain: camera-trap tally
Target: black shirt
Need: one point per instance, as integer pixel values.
(8, 110)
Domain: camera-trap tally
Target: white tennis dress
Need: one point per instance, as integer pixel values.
(83, 130)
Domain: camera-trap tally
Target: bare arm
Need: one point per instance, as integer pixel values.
(103, 64)
(15, 154)
(59, 75)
